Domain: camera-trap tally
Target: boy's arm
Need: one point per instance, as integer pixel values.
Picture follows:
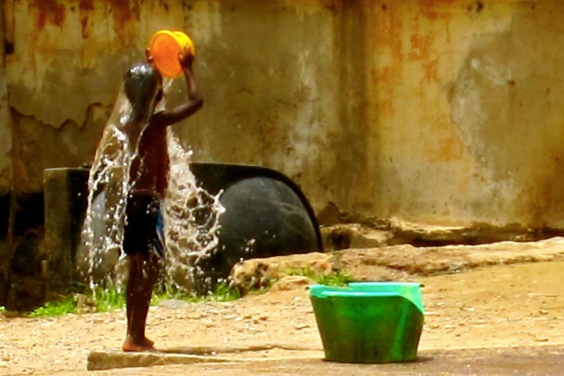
(194, 103)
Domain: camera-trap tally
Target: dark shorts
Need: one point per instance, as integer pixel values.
(144, 226)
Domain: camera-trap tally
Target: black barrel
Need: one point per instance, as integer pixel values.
(266, 214)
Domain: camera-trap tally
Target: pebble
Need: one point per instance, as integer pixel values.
(172, 303)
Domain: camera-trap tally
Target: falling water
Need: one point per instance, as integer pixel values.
(191, 218)
(191, 214)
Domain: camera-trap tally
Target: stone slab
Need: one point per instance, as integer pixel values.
(104, 360)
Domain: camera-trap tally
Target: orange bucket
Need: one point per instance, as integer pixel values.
(165, 47)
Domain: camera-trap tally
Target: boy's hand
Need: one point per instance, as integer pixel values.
(148, 56)
(186, 61)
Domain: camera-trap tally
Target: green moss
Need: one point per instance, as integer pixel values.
(334, 278)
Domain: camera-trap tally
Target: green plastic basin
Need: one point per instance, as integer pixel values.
(375, 322)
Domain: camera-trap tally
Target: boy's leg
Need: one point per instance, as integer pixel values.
(143, 273)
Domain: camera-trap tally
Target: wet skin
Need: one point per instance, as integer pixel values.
(146, 131)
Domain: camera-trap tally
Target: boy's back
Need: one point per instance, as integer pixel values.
(150, 165)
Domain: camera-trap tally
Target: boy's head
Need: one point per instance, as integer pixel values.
(143, 86)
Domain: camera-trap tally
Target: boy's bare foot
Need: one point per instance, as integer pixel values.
(143, 345)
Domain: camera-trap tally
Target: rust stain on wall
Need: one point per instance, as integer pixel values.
(50, 11)
(449, 148)
(385, 103)
(123, 11)
(435, 3)
(388, 33)
(86, 4)
(420, 46)
(86, 7)
(430, 70)
(437, 9)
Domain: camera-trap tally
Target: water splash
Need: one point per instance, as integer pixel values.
(191, 219)
(191, 215)
(102, 233)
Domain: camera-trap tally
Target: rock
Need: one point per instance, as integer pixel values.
(478, 233)
(344, 236)
(292, 282)
(85, 304)
(397, 231)
(329, 215)
(260, 273)
(26, 293)
(301, 326)
(172, 303)
(394, 263)
(99, 360)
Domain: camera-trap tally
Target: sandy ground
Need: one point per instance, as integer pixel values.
(494, 307)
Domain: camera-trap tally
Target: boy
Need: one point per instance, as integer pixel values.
(146, 133)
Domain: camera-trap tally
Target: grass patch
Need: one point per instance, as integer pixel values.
(62, 306)
(112, 298)
(335, 278)
(222, 292)
(108, 299)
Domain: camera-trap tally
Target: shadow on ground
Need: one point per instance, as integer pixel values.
(545, 360)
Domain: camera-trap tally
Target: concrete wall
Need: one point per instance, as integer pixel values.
(466, 116)
(444, 112)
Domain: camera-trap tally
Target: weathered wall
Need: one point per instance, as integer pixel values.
(64, 73)
(468, 104)
(434, 111)
(5, 123)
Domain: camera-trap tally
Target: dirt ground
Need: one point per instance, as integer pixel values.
(490, 308)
